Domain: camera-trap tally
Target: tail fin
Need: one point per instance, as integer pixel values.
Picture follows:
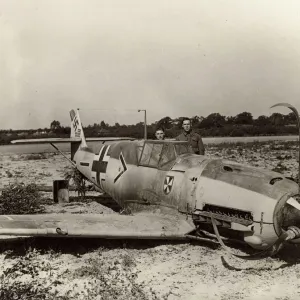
(76, 127)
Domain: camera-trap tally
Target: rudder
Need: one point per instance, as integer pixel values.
(76, 132)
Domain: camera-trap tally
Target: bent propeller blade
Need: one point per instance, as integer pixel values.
(291, 107)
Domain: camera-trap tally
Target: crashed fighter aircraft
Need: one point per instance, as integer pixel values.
(167, 192)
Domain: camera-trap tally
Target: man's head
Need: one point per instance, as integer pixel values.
(186, 125)
(160, 134)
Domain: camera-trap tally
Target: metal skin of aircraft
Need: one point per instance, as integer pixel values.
(168, 192)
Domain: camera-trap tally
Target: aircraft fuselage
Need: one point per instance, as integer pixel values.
(143, 175)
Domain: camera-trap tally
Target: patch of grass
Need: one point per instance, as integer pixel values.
(283, 145)
(280, 168)
(45, 174)
(284, 157)
(9, 174)
(296, 178)
(20, 199)
(255, 145)
(32, 156)
(18, 290)
(27, 265)
(229, 152)
(33, 288)
(112, 279)
(128, 261)
(239, 145)
(37, 156)
(17, 173)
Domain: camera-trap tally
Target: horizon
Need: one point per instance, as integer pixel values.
(112, 122)
(111, 125)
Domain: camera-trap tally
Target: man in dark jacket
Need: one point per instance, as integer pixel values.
(192, 137)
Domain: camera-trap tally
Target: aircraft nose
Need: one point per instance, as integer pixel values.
(291, 212)
(291, 218)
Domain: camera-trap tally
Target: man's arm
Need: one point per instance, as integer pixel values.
(177, 138)
(201, 146)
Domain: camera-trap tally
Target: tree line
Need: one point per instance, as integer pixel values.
(214, 124)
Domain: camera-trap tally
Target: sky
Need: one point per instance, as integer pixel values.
(174, 58)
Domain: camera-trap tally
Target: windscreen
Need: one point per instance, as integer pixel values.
(162, 155)
(151, 155)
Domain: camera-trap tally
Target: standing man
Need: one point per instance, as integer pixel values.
(192, 137)
(160, 134)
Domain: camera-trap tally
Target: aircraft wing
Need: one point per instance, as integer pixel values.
(110, 226)
(68, 140)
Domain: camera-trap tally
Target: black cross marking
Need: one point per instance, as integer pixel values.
(100, 166)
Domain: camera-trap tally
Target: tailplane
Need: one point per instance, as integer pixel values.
(76, 127)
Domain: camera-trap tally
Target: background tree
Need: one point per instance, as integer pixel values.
(244, 118)
(277, 119)
(290, 119)
(55, 125)
(165, 123)
(196, 121)
(230, 120)
(213, 125)
(213, 120)
(261, 121)
(103, 124)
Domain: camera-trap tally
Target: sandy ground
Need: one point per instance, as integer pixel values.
(89, 269)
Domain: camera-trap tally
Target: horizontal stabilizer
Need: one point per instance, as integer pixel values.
(110, 226)
(46, 141)
(67, 140)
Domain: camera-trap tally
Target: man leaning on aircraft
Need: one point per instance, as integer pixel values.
(192, 137)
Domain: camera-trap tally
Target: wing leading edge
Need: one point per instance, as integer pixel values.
(95, 226)
(69, 140)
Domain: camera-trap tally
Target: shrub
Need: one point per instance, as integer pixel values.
(34, 288)
(37, 156)
(22, 291)
(78, 179)
(20, 199)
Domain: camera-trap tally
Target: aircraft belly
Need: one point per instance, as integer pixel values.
(102, 226)
(219, 193)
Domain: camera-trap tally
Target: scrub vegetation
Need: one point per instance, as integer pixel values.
(20, 199)
(75, 177)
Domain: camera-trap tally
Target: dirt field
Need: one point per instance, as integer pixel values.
(89, 269)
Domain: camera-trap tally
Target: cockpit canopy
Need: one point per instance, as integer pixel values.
(161, 154)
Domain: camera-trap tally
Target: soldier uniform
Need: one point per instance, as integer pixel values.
(194, 140)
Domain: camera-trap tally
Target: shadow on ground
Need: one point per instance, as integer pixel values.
(76, 246)
(289, 255)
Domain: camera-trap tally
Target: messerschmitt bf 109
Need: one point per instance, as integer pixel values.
(168, 192)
